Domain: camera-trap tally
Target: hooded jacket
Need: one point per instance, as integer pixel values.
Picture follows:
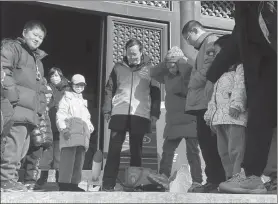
(178, 124)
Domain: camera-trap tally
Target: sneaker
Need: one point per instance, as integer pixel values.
(30, 186)
(241, 184)
(271, 186)
(159, 179)
(12, 186)
(194, 186)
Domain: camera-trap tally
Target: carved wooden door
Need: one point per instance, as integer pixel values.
(154, 37)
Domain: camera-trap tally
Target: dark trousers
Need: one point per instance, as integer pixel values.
(208, 144)
(113, 158)
(262, 118)
(192, 153)
(14, 147)
(30, 164)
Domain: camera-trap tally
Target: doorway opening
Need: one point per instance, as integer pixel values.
(73, 44)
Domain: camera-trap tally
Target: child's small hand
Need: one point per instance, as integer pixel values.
(233, 112)
(66, 134)
(107, 116)
(208, 122)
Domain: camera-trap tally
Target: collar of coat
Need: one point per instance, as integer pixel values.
(200, 40)
(71, 95)
(39, 54)
(64, 84)
(145, 60)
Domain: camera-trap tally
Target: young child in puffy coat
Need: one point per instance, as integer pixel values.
(227, 116)
(73, 122)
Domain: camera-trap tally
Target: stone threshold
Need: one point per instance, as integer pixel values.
(134, 197)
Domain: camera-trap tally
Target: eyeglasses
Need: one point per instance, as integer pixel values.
(188, 36)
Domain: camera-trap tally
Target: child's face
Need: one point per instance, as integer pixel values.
(78, 88)
(48, 97)
(55, 78)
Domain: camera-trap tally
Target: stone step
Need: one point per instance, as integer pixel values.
(134, 197)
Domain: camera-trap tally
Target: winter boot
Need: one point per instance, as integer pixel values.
(43, 178)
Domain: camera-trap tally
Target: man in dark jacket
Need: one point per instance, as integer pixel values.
(132, 100)
(196, 102)
(254, 41)
(21, 61)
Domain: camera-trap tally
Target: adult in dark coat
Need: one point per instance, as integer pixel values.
(254, 41)
(21, 61)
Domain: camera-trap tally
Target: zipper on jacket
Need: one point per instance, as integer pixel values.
(215, 105)
(38, 78)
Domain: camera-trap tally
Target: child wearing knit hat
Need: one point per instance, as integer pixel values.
(175, 72)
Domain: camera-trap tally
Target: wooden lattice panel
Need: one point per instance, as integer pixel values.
(221, 9)
(158, 4)
(151, 39)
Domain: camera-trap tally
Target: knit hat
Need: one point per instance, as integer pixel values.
(77, 79)
(174, 54)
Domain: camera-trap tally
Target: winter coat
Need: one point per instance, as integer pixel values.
(131, 91)
(178, 124)
(196, 99)
(45, 139)
(229, 92)
(73, 114)
(57, 94)
(254, 41)
(7, 113)
(25, 69)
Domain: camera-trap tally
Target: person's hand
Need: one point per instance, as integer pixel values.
(233, 112)
(107, 117)
(173, 70)
(208, 122)
(66, 133)
(153, 120)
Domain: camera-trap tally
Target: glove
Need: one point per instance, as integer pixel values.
(66, 133)
(36, 137)
(47, 142)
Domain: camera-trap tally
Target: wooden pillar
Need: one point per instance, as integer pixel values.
(189, 10)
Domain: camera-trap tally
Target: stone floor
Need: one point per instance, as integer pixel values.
(127, 197)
